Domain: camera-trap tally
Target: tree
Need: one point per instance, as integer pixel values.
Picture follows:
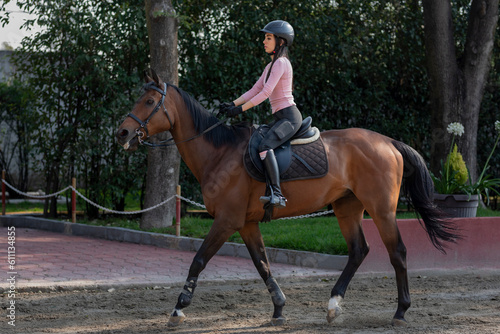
(457, 77)
(82, 67)
(163, 163)
(15, 108)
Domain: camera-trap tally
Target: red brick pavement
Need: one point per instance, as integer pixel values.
(46, 259)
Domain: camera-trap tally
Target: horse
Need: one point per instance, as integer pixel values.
(366, 172)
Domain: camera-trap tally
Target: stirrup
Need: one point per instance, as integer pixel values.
(280, 203)
(275, 200)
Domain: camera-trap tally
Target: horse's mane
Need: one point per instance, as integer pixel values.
(202, 119)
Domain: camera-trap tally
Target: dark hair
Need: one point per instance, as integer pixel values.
(281, 50)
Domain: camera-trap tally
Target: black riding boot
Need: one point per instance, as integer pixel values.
(276, 199)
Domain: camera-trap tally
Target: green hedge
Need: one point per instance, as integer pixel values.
(356, 63)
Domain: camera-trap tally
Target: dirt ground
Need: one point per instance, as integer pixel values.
(441, 303)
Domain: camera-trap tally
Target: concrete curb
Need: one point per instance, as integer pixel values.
(276, 255)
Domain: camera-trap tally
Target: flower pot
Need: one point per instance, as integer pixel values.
(457, 205)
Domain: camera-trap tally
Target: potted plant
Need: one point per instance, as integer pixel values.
(455, 195)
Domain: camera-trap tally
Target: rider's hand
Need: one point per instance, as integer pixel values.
(224, 106)
(233, 111)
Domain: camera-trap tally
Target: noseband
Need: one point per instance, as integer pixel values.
(144, 124)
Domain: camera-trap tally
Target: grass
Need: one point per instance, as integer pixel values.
(485, 212)
(320, 234)
(34, 207)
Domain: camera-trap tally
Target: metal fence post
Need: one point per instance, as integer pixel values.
(178, 212)
(73, 200)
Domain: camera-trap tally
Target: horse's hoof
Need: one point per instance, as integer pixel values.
(399, 322)
(333, 314)
(278, 321)
(176, 318)
(176, 321)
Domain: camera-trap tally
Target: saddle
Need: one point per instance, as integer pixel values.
(302, 157)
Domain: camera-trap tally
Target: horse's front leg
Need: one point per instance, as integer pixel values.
(252, 237)
(218, 234)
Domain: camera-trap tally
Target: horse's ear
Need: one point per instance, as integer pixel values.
(156, 79)
(150, 75)
(147, 75)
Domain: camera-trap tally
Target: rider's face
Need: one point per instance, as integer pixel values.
(269, 43)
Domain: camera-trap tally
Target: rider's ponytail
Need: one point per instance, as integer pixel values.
(281, 50)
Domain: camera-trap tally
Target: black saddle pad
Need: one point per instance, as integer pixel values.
(296, 162)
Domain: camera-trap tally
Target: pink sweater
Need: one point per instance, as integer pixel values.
(278, 88)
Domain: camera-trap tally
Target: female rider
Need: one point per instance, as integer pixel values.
(275, 83)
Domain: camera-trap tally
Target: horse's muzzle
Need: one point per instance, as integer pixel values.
(127, 139)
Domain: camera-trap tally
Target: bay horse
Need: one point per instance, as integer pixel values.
(366, 172)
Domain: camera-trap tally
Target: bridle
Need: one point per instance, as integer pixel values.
(144, 124)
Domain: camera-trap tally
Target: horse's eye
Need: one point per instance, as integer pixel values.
(150, 101)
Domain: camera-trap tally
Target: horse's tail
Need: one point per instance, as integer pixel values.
(419, 190)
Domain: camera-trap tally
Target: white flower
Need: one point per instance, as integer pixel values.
(497, 126)
(456, 129)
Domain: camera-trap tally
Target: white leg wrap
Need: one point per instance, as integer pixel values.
(334, 303)
(176, 318)
(334, 309)
(177, 313)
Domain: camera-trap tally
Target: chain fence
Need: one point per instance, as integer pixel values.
(316, 214)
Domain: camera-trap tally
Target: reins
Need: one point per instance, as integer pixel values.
(144, 124)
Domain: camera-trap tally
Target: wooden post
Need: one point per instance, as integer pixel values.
(3, 193)
(73, 200)
(178, 212)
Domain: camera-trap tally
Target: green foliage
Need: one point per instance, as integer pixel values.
(83, 67)
(15, 108)
(456, 164)
(489, 114)
(356, 63)
(453, 174)
(486, 184)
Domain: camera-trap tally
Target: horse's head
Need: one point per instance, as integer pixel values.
(149, 115)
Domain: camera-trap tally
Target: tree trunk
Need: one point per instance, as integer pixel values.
(457, 85)
(52, 186)
(163, 163)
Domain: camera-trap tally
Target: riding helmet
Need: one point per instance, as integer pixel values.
(281, 29)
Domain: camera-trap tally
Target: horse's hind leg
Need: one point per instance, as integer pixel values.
(252, 237)
(391, 237)
(349, 212)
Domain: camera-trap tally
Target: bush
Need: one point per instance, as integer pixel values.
(457, 165)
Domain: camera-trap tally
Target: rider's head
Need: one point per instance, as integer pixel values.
(283, 34)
